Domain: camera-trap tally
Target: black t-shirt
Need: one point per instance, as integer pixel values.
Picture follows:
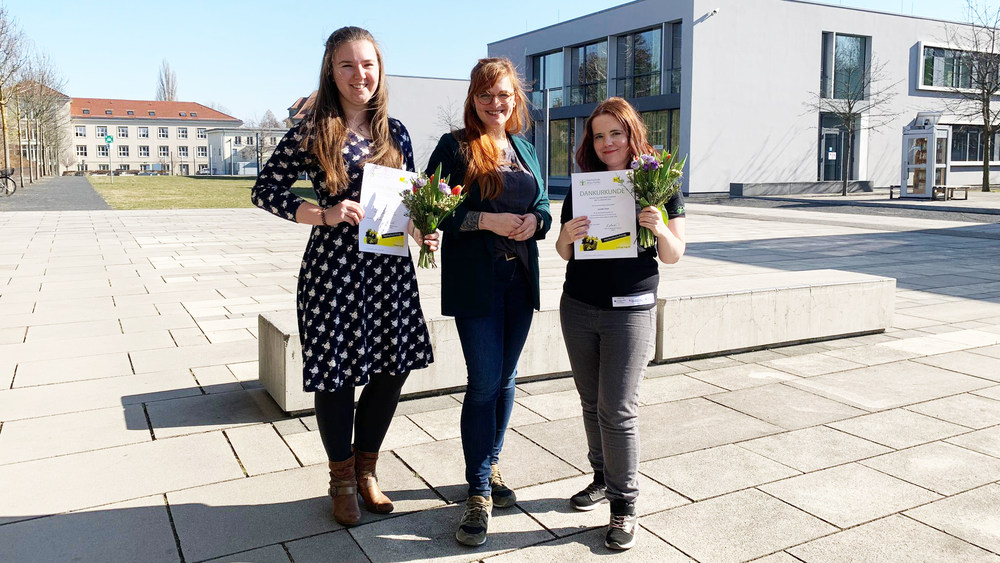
(598, 282)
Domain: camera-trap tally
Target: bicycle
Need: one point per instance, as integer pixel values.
(7, 184)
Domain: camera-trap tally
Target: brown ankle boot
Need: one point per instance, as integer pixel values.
(375, 500)
(344, 492)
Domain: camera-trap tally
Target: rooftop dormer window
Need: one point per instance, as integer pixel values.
(152, 113)
(130, 112)
(86, 112)
(182, 114)
(107, 112)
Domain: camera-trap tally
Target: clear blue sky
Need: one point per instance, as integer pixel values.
(251, 56)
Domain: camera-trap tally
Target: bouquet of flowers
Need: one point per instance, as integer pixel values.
(655, 179)
(428, 203)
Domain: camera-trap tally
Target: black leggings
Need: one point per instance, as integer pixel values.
(335, 415)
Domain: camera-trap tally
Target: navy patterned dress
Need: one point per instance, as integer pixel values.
(358, 314)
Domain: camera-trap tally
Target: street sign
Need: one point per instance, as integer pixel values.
(109, 139)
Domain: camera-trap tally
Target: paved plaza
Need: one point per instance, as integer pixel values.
(133, 428)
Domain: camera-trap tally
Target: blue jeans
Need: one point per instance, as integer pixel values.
(491, 345)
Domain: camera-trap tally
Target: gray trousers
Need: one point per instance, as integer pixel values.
(609, 351)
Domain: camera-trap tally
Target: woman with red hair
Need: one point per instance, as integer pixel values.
(489, 270)
(608, 315)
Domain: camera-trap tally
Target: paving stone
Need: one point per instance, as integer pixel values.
(402, 433)
(801, 349)
(816, 448)
(13, 335)
(986, 441)
(674, 388)
(589, 546)
(872, 354)
(971, 516)
(524, 463)
(203, 413)
(549, 504)
(319, 549)
(269, 554)
(849, 495)
(554, 406)
(89, 346)
(735, 527)
(940, 467)
(245, 371)
(715, 471)
(785, 406)
(693, 424)
(289, 426)
(50, 436)
(991, 351)
(710, 363)
(83, 480)
(758, 356)
(895, 539)
(898, 428)
(254, 512)
(966, 362)
(743, 376)
(414, 406)
(189, 337)
(430, 536)
(808, 365)
(888, 386)
(260, 449)
(216, 379)
(49, 333)
(30, 402)
(194, 356)
(970, 336)
(307, 447)
(445, 424)
(126, 532)
(545, 386)
(989, 392)
(927, 345)
(310, 422)
(46, 372)
(968, 410)
(564, 438)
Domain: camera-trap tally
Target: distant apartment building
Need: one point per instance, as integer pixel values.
(234, 150)
(170, 137)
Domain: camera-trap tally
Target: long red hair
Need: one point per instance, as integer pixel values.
(638, 143)
(480, 151)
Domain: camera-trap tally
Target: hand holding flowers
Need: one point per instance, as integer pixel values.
(655, 179)
(428, 202)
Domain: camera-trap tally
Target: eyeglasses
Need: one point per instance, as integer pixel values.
(486, 98)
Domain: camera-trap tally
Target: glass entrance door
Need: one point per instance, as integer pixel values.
(830, 166)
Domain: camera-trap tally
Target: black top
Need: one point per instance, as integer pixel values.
(597, 282)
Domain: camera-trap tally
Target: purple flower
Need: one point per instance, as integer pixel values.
(444, 188)
(654, 165)
(421, 182)
(647, 159)
(635, 164)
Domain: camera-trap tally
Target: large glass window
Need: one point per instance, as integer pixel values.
(947, 68)
(590, 73)
(547, 71)
(850, 67)
(663, 127)
(967, 144)
(674, 72)
(560, 147)
(639, 64)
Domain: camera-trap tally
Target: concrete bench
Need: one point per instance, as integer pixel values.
(695, 318)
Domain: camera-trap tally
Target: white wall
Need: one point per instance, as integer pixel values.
(419, 102)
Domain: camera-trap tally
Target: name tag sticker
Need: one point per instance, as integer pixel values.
(633, 300)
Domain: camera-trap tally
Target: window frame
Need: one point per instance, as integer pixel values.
(162, 132)
(78, 129)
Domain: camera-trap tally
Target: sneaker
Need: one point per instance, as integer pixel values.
(475, 521)
(623, 527)
(589, 498)
(503, 496)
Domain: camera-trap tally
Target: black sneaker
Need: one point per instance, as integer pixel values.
(589, 498)
(623, 527)
(475, 521)
(503, 496)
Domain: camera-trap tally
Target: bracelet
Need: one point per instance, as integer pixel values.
(322, 215)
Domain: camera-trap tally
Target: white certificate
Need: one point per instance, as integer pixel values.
(606, 199)
(383, 230)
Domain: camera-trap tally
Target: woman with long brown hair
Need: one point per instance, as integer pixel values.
(489, 270)
(359, 315)
(608, 318)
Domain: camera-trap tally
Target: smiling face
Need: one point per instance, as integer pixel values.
(610, 142)
(495, 113)
(355, 72)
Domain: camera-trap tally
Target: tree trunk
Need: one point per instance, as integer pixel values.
(20, 149)
(3, 127)
(845, 161)
(987, 149)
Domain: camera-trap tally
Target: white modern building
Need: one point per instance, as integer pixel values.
(168, 137)
(234, 150)
(427, 107)
(734, 84)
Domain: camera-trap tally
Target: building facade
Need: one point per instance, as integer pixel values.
(165, 137)
(734, 85)
(236, 151)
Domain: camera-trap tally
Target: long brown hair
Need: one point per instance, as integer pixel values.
(586, 156)
(480, 151)
(326, 128)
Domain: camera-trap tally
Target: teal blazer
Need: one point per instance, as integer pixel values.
(467, 256)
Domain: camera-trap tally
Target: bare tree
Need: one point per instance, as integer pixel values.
(860, 95)
(269, 121)
(974, 75)
(449, 118)
(219, 107)
(13, 56)
(45, 110)
(261, 137)
(166, 84)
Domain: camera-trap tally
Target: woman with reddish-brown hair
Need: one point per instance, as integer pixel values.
(359, 316)
(608, 320)
(489, 270)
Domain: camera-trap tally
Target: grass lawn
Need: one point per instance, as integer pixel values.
(182, 192)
